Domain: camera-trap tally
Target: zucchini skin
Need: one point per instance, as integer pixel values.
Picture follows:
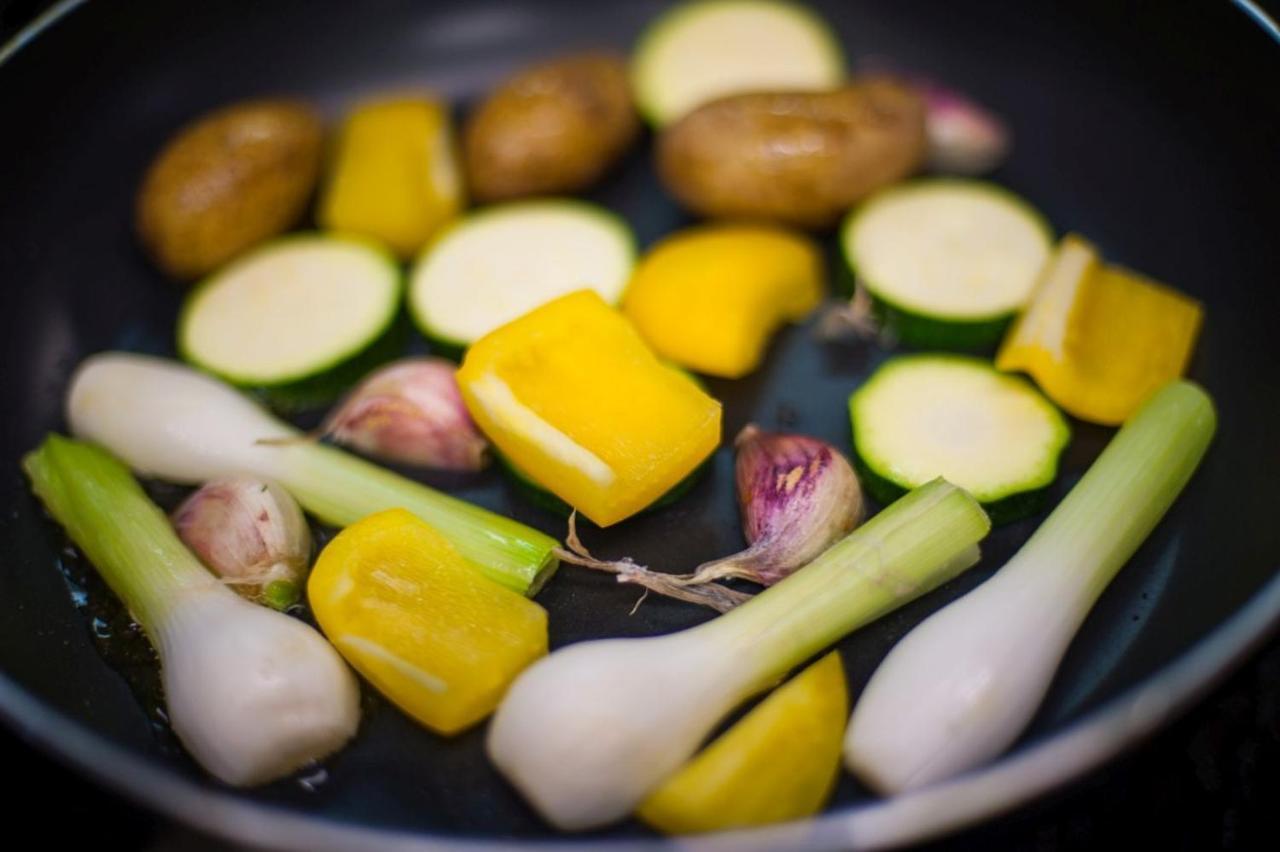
(921, 331)
(1006, 510)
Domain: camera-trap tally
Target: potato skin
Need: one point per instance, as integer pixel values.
(802, 158)
(227, 181)
(555, 127)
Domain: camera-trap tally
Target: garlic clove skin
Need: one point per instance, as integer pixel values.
(410, 411)
(964, 138)
(798, 495)
(252, 534)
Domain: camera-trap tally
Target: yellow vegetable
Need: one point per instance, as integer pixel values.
(710, 297)
(395, 176)
(778, 763)
(571, 394)
(1100, 339)
(410, 614)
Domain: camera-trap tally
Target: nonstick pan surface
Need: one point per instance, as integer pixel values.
(1151, 128)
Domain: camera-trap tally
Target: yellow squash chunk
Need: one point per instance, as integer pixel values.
(395, 176)
(410, 614)
(778, 763)
(710, 297)
(573, 396)
(1099, 339)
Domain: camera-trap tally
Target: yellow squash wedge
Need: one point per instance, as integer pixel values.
(571, 394)
(778, 763)
(408, 612)
(395, 175)
(1100, 339)
(710, 297)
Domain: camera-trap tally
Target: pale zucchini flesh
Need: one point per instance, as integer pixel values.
(291, 311)
(502, 262)
(923, 416)
(704, 50)
(946, 262)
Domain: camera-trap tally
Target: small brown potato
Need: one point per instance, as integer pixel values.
(555, 127)
(802, 158)
(227, 181)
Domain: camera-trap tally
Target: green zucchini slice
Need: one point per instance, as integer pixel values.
(946, 262)
(923, 416)
(708, 49)
(495, 265)
(293, 314)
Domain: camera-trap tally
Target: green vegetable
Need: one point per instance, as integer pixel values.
(587, 732)
(947, 262)
(299, 319)
(962, 686)
(495, 265)
(703, 50)
(923, 416)
(252, 693)
(171, 422)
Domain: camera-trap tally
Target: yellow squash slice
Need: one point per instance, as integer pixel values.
(571, 394)
(710, 297)
(1100, 339)
(433, 635)
(395, 177)
(778, 763)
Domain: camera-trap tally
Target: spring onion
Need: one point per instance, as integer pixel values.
(587, 732)
(169, 421)
(963, 684)
(252, 693)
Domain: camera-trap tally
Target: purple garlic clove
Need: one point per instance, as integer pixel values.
(410, 411)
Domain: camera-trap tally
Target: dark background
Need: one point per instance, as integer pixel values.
(1210, 781)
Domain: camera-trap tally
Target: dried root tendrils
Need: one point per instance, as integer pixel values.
(718, 597)
(852, 321)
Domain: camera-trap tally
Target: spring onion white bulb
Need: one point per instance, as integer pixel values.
(252, 693)
(168, 421)
(587, 732)
(963, 684)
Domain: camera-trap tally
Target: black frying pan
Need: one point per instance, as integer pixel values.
(1152, 128)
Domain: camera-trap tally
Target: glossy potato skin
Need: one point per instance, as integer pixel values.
(553, 128)
(801, 158)
(226, 182)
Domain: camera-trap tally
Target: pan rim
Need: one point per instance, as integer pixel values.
(1013, 781)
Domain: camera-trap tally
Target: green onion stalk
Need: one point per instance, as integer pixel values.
(252, 693)
(587, 732)
(961, 686)
(171, 422)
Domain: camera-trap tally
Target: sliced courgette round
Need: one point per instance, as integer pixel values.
(946, 262)
(296, 318)
(923, 416)
(495, 265)
(708, 49)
